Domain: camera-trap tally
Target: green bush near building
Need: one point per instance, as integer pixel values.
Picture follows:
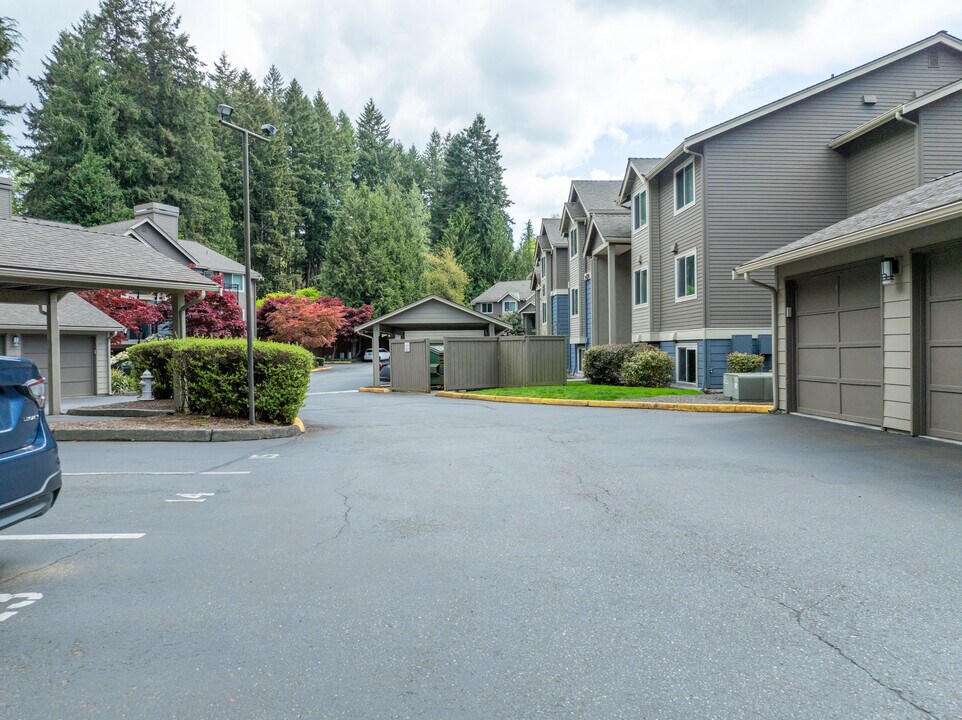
(648, 367)
(745, 362)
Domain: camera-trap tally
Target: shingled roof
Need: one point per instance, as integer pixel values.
(40, 253)
(894, 215)
(520, 289)
(598, 195)
(75, 313)
(552, 229)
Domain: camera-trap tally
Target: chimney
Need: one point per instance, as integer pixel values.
(164, 216)
(6, 197)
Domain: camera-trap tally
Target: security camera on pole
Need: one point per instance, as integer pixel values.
(269, 131)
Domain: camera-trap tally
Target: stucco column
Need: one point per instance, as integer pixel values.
(492, 330)
(179, 319)
(53, 354)
(376, 354)
(612, 296)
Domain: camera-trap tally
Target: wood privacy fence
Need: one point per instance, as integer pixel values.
(410, 365)
(507, 361)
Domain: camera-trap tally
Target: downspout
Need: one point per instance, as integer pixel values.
(704, 257)
(775, 368)
(899, 117)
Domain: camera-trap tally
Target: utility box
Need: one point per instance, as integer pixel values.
(748, 387)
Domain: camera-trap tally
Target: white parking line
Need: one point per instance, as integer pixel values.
(69, 536)
(332, 392)
(172, 472)
(226, 472)
(25, 600)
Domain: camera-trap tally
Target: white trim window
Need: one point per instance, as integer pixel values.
(686, 364)
(544, 268)
(510, 306)
(684, 186)
(487, 308)
(573, 301)
(639, 210)
(640, 292)
(544, 313)
(573, 240)
(686, 277)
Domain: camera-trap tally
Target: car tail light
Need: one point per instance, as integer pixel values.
(36, 390)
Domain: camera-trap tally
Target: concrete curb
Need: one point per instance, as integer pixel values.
(320, 369)
(105, 411)
(374, 390)
(63, 434)
(641, 405)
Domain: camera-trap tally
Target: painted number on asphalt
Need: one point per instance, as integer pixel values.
(191, 497)
(266, 456)
(10, 604)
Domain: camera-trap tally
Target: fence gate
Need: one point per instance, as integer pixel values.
(410, 366)
(471, 363)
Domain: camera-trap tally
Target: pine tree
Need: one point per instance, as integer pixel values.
(377, 160)
(433, 162)
(522, 259)
(73, 132)
(9, 47)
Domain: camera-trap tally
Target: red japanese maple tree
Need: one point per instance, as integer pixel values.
(312, 325)
(129, 311)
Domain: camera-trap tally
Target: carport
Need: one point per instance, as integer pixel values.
(431, 319)
(41, 261)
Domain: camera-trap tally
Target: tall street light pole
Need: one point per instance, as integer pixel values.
(269, 130)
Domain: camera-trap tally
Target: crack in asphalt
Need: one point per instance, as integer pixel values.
(345, 521)
(4, 581)
(799, 613)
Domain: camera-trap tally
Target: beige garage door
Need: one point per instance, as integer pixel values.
(77, 361)
(943, 392)
(838, 344)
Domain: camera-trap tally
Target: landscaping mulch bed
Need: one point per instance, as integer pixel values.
(174, 422)
(135, 405)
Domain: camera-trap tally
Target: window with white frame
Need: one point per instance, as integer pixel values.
(573, 300)
(641, 286)
(686, 365)
(487, 308)
(544, 313)
(510, 305)
(544, 267)
(573, 240)
(686, 286)
(684, 186)
(639, 210)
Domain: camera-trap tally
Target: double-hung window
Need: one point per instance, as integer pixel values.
(544, 313)
(685, 277)
(639, 210)
(487, 308)
(684, 186)
(510, 306)
(573, 240)
(573, 300)
(641, 286)
(544, 268)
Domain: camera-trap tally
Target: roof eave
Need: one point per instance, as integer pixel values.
(84, 281)
(944, 213)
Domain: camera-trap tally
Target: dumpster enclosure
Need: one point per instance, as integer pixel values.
(506, 361)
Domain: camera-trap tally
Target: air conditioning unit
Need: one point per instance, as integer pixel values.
(748, 387)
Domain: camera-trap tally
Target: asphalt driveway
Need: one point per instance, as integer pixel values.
(418, 557)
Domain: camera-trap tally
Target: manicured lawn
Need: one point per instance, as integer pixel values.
(584, 391)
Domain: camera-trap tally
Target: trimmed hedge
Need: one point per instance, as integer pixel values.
(214, 374)
(745, 362)
(648, 367)
(154, 355)
(602, 363)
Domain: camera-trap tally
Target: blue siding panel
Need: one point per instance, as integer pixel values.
(743, 344)
(560, 318)
(587, 313)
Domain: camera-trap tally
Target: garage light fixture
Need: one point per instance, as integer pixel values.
(890, 268)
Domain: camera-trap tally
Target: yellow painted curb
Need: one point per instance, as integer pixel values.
(374, 390)
(641, 405)
(298, 423)
(321, 369)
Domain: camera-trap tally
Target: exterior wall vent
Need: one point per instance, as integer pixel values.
(869, 99)
(933, 57)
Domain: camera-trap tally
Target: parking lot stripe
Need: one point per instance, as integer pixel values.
(78, 536)
(132, 472)
(332, 392)
(226, 472)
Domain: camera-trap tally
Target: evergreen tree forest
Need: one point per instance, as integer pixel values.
(126, 114)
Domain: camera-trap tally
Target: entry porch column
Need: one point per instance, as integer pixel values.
(612, 296)
(53, 355)
(376, 354)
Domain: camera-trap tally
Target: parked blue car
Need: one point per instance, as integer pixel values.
(29, 463)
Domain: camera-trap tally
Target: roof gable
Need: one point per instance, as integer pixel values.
(454, 315)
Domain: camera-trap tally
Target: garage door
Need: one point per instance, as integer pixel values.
(943, 392)
(77, 361)
(838, 344)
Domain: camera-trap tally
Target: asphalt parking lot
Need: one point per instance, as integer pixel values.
(411, 557)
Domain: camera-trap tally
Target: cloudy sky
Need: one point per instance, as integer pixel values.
(573, 87)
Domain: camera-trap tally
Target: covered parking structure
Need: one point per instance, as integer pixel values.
(433, 319)
(41, 261)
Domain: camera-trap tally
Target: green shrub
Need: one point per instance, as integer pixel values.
(602, 363)
(648, 367)
(154, 356)
(745, 363)
(214, 376)
(120, 382)
(319, 361)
